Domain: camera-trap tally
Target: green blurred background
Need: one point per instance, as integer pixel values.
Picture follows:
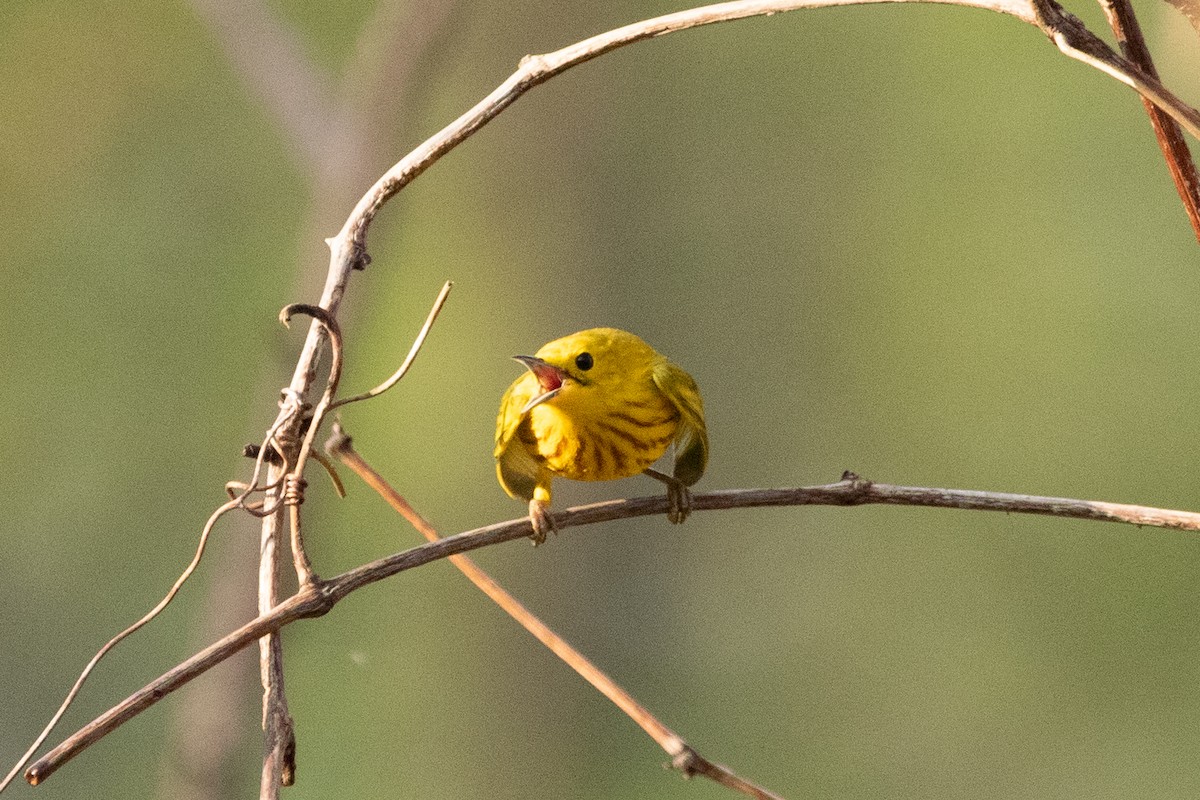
(916, 242)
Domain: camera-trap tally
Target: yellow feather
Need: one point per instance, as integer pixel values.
(597, 405)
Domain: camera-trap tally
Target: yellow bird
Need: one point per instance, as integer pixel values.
(598, 405)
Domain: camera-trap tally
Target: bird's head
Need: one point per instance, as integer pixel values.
(593, 359)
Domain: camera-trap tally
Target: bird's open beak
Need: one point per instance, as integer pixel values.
(549, 378)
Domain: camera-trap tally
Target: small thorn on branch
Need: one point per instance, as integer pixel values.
(857, 488)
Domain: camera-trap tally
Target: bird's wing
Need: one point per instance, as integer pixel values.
(691, 440)
(516, 468)
(508, 420)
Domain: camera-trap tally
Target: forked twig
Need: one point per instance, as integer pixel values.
(294, 483)
(683, 756)
(1074, 39)
(334, 331)
(279, 765)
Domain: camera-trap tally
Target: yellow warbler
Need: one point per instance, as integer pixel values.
(598, 405)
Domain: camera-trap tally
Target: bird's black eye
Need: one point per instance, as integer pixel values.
(584, 361)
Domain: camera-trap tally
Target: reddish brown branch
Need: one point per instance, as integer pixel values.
(1174, 147)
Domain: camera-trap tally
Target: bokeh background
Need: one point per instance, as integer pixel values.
(916, 242)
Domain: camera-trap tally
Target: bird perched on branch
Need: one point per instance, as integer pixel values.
(598, 405)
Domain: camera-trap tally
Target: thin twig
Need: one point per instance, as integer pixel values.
(334, 478)
(279, 742)
(318, 599)
(348, 249)
(330, 323)
(275, 715)
(294, 486)
(683, 756)
(114, 641)
(412, 353)
(1174, 147)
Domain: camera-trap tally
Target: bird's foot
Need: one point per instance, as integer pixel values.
(679, 499)
(679, 502)
(542, 521)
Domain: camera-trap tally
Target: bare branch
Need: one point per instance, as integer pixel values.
(1074, 39)
(683, 756)
(279, 738)
(1124, 24)
(318, 598)
(1065, 30)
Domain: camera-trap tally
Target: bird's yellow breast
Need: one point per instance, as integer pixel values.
(595, 439)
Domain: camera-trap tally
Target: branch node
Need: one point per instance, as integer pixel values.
(317, 597)
(289, 396)
(857, 487)
(687, 761)
(359, 258)
(532, 62)
(339, 442)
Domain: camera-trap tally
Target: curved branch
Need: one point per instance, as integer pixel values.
(1067, 32)
(348, 247)
(317, 598)
(412, 352)
(533, 70)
